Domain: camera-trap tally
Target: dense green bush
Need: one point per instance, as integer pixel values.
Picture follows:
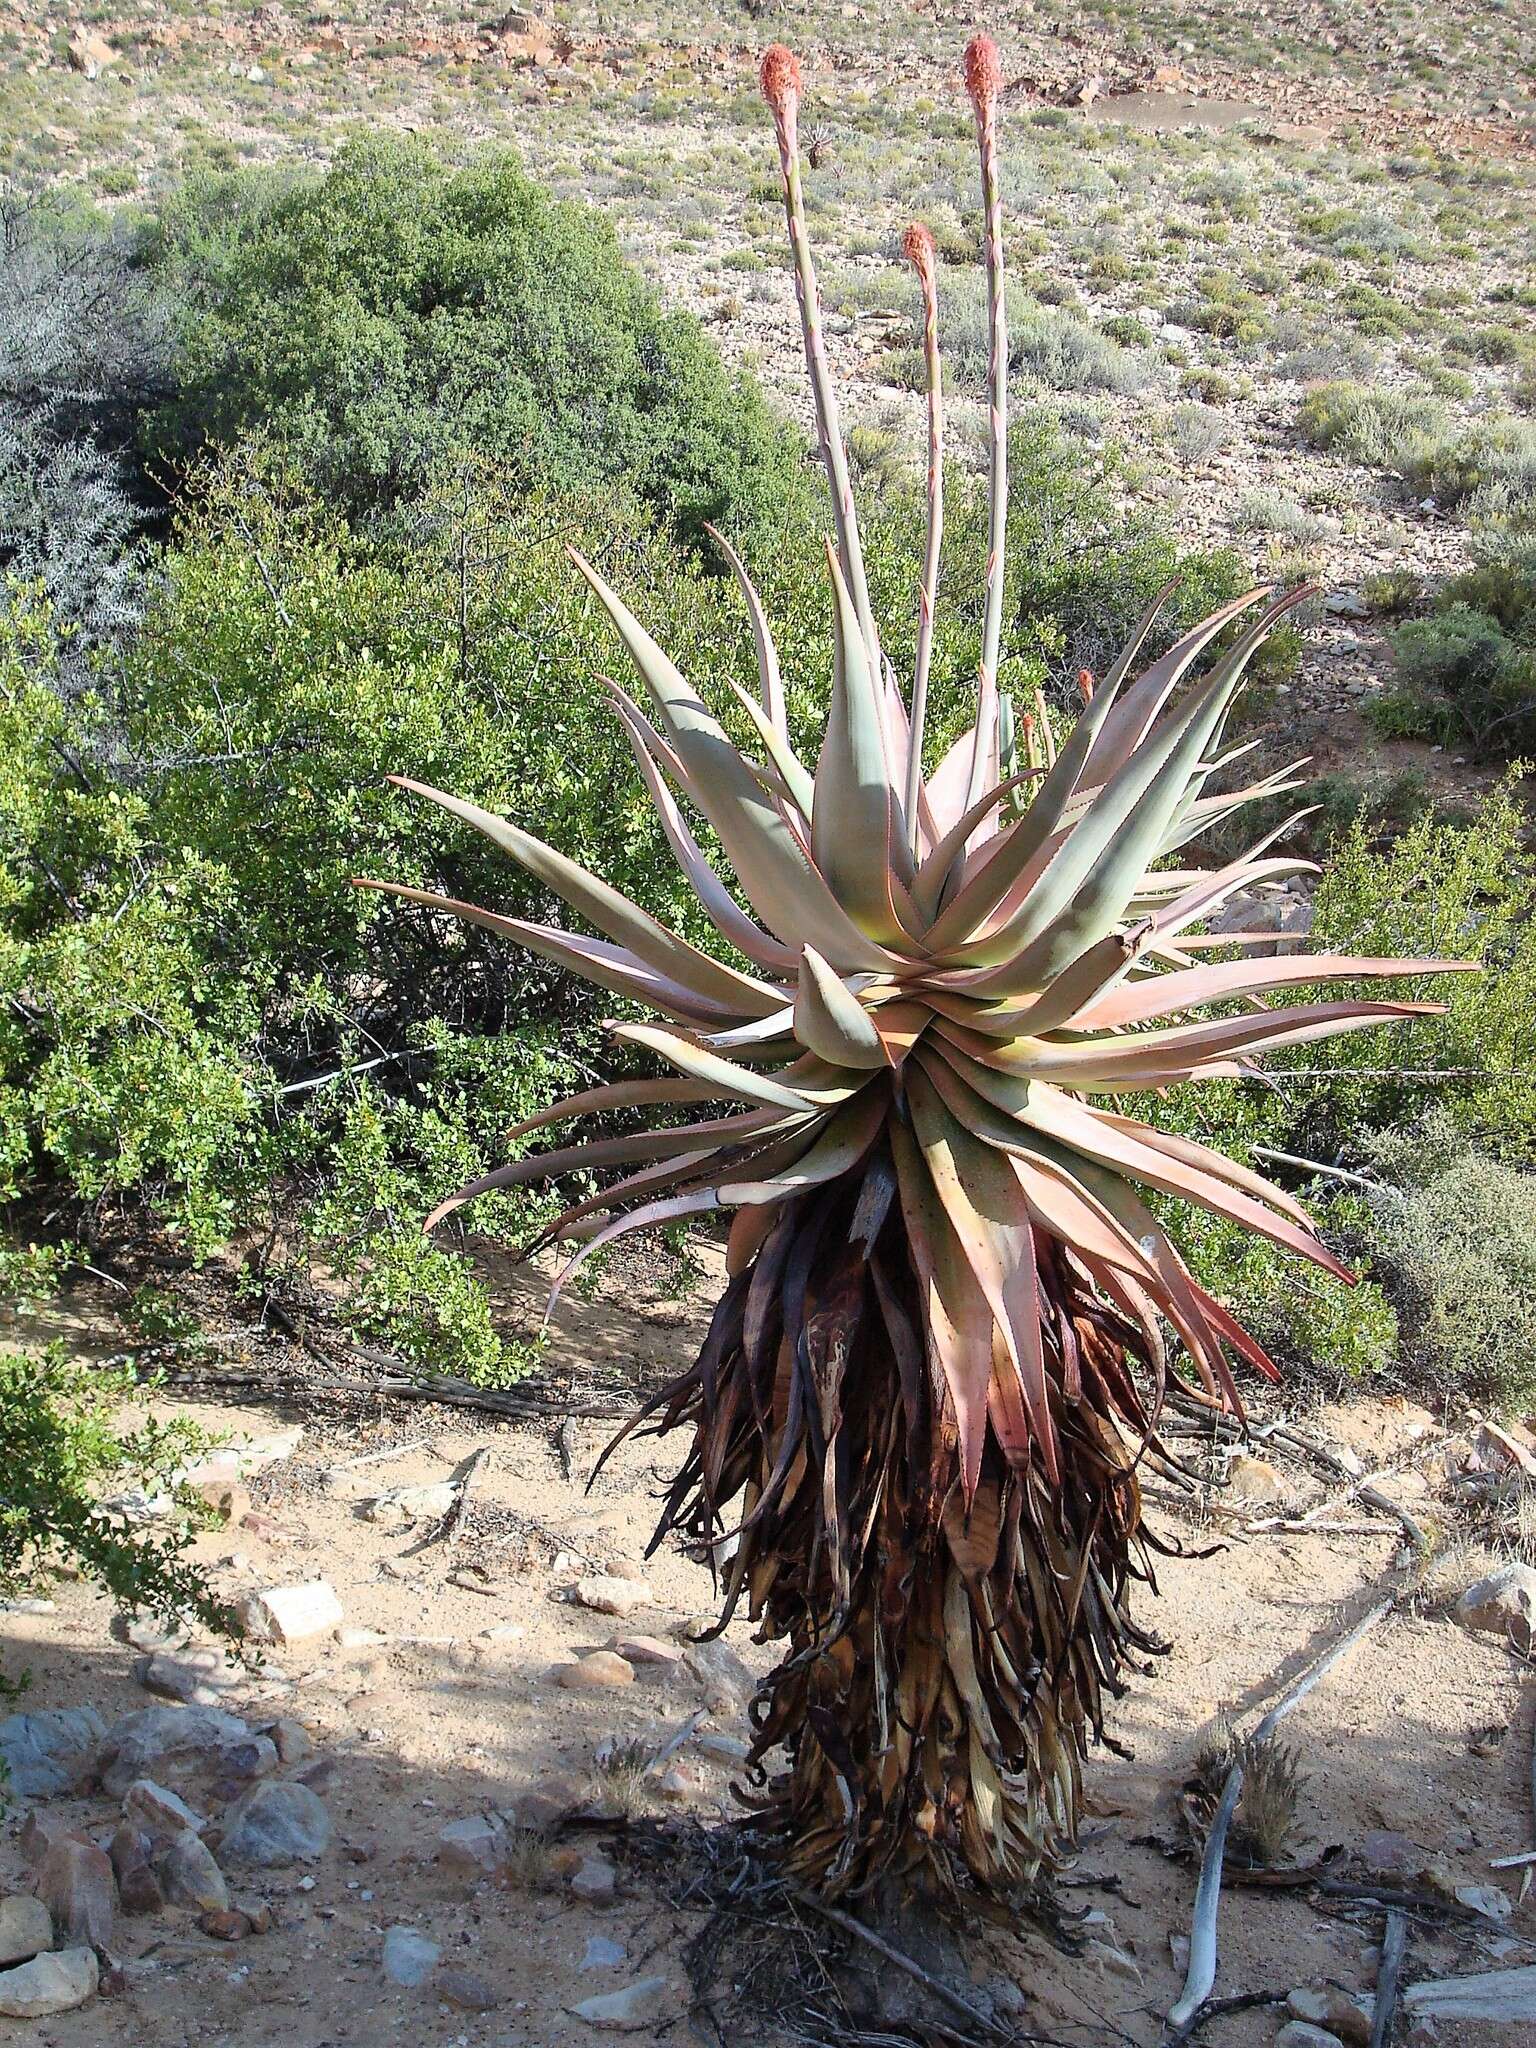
(1466, 675)
(391, 313)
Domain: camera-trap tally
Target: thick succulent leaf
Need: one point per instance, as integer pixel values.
(831, 1020)
(611, 911)
(936, 865)
(693, 1060)
(1162, 995)
(846, 1137)
(851, 818)
(1205, 1157)
(767, 653)
(794, 777)
(646, 1094)
(647, 1217)
(775, 872)
(1204, 898)
(722, 909)
(595, 960)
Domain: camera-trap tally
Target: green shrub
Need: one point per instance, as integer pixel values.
(390, 314)
(1492, 462)
(1467, 674)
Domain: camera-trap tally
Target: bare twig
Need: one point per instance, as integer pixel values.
(849, 1925)
(1392, 1947)
(452, 1527)
(416, 1443)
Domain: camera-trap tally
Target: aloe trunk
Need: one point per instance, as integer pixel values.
(951, 1313)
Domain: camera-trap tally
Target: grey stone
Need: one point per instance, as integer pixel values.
(157, 1740)
(409, 1957)
(198, 1678)
(608, 1594)
(475, 1845)
(160, 1810)
(1503, 1603)
(49, 1984)
(602, 1954)
(467, 1990)
(26, 1928)
(1301, 2034)
(1386, 1853)
(1334, 2012)
(46, 1754)
(76, 1884)
(404, 1506)
(595, 1880)
(190, 1875)
(276, 1824)
(726, 1679)
(646, 1999)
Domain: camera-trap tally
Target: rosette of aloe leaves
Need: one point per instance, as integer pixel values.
(950, 1311)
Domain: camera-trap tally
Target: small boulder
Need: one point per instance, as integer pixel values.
(601, 1954)
(160, 1811)
(160, 1741)
(198, 1678)
(595, 1880)
(598, 1672)
(646, 1999)
(409, 1957)
(727, 1681)
(404, 1506)
(45, 1755)
(1299, 2034)
(276, 1824)
(49, 1984)
(648, 1650)
(474, 1846)
(292, 1614)
(1386, 1853)
(466, 1990)
(606, 1594)
(1503, 1603)
(138, 1888)
(26, 1928)
(228, 1924)
(76, 1884)
(91, 54)
(190, 1876)
(1334, 2011)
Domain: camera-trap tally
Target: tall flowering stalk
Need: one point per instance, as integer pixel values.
(984, 84)
(917, 246)
(945, 1332)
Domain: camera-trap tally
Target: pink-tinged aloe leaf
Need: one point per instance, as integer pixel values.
(647, 1094)
(595, 960)
(936, 865)
(767, 653)
(846, 1137)
(727, 916)
(1057, 1006)
(957, 1320)
(707, 1168)
(990, 1218)
(1218, 1164)
(831, 1020)
(762, 1033)
(945, 787)
(1205, 898)
(1162, 995)
(796, 779)
(611, 911)
(776, 874)
(1232, 1330)
(851, 819)
(701, 1065)
(646, 1217)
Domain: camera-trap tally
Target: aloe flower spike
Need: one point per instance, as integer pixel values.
(779, 76)
(983, 82)
(917, 247)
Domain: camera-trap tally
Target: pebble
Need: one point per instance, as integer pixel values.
(647, 1650)
(76, 1884)
(409, 1957)
(1503, 1603)
(292, 1614)
(595, 1880)
(646, 1999)
(49, 1984)
(602, 1954)
(190, 1876)
(26, 1928)
(679, 1782)
(609, 1595)
(274, 1825)
(596, 1672)
(466, 1990)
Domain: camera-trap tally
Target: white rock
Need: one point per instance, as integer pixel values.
(645, 2000)
(49, 1984)
(239, 1461)
(198, 1678)
(403, 1506)
(609, 1595)
(1503, 1603)
(409, 1957)
(360, 1638)
(26, 1928)
(292, 1614)
(602, 1954)
(474, 1845)
(159, 1810)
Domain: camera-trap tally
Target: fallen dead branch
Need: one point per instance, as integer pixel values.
(945, 1993)
(1201, 1973)
(1490, 1995)
(1393, 1946)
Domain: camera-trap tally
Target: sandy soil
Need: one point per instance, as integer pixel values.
(457, 1712)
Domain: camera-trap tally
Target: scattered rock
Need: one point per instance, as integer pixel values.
(647, 1999)
(138, 1888)
(1501, 1450)
(466, 1990)
(229, 1925)
(161, 1811)
(648, 1650)
(1503, 1603)
(153, 1632)
(1298, 2034)
(1386, 1853)
(156, 1740)
(291, 1739)
(292, 1614)
(727, 1681)
(76, 1884)
(360, 1639)
(725, 1749)
(1346, 604)
(475, 1845)
(544, 1808)
(1486, 1899)
(241, 1461)
(92, 54)
(678, 1781)
(404, 1506)
(49, 1984)
(596, 1672)
(609, 1595)
(198, 1678)
(274, 1825)
(1116, 1961)
(602, 1954)
(45, 1755)
(409, 1957)
(1255, 1479)
(595, 1880)
(26, 1928)
(1334, 2011)
(191, 1877)
(227, 1499)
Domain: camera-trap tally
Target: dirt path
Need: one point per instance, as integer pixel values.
(452, 1711)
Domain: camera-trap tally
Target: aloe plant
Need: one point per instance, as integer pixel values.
(951, 1313)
